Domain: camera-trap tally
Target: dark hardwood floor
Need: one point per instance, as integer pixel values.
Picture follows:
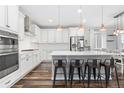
(40, 77)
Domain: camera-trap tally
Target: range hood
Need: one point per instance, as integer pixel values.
(27, 23)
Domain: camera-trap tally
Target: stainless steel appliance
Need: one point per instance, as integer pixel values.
(8, 53)
(76, 43)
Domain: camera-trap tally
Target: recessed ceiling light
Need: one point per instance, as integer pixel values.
(50, 20)
(79, 11)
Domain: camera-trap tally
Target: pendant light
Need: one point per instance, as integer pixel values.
(59, 28)
(115, 28)
(102, 25)
(121, 25)
(81, 27)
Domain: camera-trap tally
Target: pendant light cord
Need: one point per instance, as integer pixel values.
(81, 19)
(58, 15)
(121, 22)
(102, 13)
(117, 24)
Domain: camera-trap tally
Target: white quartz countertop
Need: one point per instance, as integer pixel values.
(74, 53)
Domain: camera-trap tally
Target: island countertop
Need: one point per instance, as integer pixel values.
(74, 53)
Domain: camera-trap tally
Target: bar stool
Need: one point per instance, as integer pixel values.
(95, 65)
(110, 64)
(76, 63)
(60, 63)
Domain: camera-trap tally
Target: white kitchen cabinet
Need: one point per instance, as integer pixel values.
(9, 18)
(37, 36)
(12, 17)
(58, 37)
(51, 36)
(21, 26)
(2, 16)
(80, 33)
(43, 36)
(65, 36)
(73, 31)
(54, 36)
(26, 63)
(10, 79)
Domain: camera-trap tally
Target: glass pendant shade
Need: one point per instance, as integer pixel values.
(114, 33)
(59, 28)
(118, 31)
(102, 28)
(122, 30)
(81, 28)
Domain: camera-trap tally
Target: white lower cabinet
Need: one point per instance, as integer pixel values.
(10, 79)
(27, 61)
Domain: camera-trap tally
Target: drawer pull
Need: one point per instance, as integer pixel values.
(7, 82)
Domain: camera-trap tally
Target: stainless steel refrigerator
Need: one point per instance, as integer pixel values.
(77, 43)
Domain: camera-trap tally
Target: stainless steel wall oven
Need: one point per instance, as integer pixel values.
(8, 53)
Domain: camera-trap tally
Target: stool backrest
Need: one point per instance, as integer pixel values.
(94, 62)
(59, 62)
(77, 62)
(110, 61)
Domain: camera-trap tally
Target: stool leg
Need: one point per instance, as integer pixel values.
(55, 72)
(106, 77)
(82, 74)
(94, 73)
(72, 73)
(117, 77)
(69, 76)
(64, 70)
(85, 68)
(99, 75)
(79, 73)
(89, 76)
(107, 73)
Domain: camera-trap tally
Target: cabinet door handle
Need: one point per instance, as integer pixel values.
(7, 82)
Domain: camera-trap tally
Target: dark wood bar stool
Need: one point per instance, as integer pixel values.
(60, 63)
(92, 64)
(78, 64)
(110, 64)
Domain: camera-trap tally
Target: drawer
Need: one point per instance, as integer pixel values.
(10, 80)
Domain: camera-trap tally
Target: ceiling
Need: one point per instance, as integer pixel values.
(92, 15)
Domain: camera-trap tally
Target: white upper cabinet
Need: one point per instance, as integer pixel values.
(75, 32)
(51, 36)
(37, 36)
(58, 36)
(12, 18)
(43, 36)
(65, 36)
(9, 17)
(21, 26)
(54, 36)
(2, 16)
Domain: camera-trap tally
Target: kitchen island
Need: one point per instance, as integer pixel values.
(81, 55)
